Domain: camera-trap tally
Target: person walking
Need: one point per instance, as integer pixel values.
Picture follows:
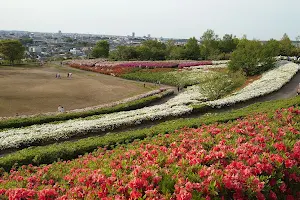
(59, 108)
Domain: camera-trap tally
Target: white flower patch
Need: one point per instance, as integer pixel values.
(270, 81)
(208, 66)
(218, 62)
(177, 106)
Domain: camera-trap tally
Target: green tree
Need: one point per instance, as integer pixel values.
(192, 49)
(169, 47)
(152, 50)
(221, 84)
(272, 48)
(124, 53)
(252, 57)
(209, 45)
(12, 50)
(228, 44)
(101, 49)
(286, 46)
(177, 53)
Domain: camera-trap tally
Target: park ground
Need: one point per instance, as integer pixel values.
(27, 90)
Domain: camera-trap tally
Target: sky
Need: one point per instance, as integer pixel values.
(257, 19)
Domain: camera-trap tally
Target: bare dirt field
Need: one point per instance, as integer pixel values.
(32, 90)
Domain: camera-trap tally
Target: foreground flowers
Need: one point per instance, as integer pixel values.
(254, 158)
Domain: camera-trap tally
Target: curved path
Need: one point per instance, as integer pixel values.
(287, 91)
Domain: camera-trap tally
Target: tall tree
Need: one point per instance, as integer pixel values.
(209, 44)
(272, 48)
(124, 53)
(101, 49)
(152, 50)
(192, 49)
(252, 57)
(227, 44)
(178, 53)
(286, 46)
(12, 50)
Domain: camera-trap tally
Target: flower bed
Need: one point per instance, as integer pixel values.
(253, 158)
(270, 81)
(219, 62)
(149, 64)
(87, 63)
(218, 66)
(195, 63)
(15, 138)
(36, 134)
(135, 102)
(179, 77)
(72, 149)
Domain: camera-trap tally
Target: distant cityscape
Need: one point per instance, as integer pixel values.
(72, 45)
(59, 45)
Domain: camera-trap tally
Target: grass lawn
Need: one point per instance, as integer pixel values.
(34, 89)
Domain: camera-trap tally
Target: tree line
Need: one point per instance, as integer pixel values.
(210, 47)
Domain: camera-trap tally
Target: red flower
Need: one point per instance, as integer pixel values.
(47, 194)
(135, 194)
(283, 187)
(183, 195)
(289, 163)
(290, 197)
(272, 195)
(2, 191)
(260, 196)
(272, 182)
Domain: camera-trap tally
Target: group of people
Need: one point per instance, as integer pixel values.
(58, 75)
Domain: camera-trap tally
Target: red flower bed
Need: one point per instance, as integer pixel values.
(117, 68)
(149, 64)
(254, 158)
(114, 71)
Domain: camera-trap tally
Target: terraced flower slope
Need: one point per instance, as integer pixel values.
(177, 106)
(253, 158)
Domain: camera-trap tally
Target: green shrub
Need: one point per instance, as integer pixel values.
(222, 84)
(252, 57)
